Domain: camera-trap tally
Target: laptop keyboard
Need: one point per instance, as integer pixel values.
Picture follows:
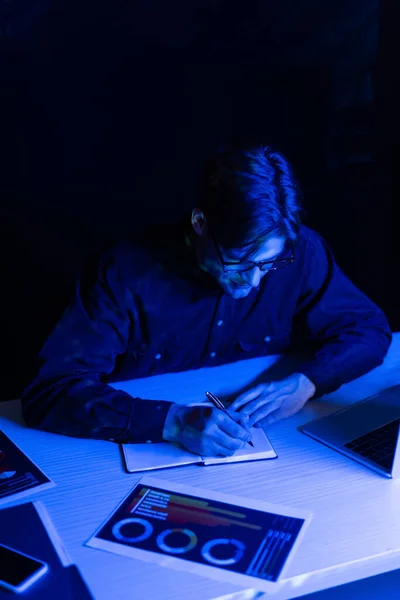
(379, 445)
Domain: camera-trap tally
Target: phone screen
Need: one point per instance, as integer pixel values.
(15, 568)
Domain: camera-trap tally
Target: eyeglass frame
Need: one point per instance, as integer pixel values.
(255, 264)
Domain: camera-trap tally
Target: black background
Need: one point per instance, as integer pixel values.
(108, 109)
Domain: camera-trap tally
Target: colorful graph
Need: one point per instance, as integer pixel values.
(18, 473)
(183, 509)
(145, 526)
(164, 540)
(235, 550)
(208, 532)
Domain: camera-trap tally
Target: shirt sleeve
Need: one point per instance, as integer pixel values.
(349, 334)
(69, 395)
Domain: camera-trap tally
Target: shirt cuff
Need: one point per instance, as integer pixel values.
(146, 423)
(324, 378)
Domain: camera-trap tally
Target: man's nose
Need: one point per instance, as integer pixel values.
(253, 277)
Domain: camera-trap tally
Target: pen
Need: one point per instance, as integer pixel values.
(218, 404)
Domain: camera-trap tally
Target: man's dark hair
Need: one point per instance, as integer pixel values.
(249, 193)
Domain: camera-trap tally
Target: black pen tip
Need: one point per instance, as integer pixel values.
(251, 444)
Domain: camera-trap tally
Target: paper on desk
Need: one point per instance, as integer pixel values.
(19, 476)
(228, 538)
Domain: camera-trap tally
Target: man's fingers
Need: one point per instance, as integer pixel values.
(254, 406)
(234, 430)
(243, 420)
(276, 415)
(263, 411)
(240, 418)
(246, 397)
(226, 440)
(221, 450)
(215, 448)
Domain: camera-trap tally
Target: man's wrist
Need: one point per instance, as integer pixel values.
(173, 424)
(307, 385)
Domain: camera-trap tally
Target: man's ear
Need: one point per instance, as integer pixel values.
(199, 222)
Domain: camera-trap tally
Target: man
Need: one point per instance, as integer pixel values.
(242, 278)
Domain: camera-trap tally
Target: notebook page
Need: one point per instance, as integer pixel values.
(262, 450)
(146, 457)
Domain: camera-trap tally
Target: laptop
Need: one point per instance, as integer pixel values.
(367, 431)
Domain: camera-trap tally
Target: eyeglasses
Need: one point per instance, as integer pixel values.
(247, 265)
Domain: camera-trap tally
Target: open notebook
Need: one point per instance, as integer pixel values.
(147, 457)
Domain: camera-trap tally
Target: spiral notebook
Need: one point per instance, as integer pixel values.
(148, 457)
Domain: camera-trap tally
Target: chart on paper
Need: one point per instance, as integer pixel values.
(236, 538)
(18, 474)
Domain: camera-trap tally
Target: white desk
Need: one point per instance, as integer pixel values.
(355, 531)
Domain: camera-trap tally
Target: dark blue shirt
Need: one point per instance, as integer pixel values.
(146, 308)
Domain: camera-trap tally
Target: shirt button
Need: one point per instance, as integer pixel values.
(267, 338)
(219, 323)
(148, 441)
(212, 354)
(158, 356)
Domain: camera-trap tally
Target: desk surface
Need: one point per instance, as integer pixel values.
(354, 533)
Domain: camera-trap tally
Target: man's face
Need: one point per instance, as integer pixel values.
(239, 284)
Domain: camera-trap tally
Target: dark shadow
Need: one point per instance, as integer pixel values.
(9, 412)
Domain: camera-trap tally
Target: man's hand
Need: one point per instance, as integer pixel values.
(270, 402)
(206, 431)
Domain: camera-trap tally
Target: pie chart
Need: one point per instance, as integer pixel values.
(176, 541)
(223, 551)
(141, 529)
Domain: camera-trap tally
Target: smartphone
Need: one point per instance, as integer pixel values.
(18, 571)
